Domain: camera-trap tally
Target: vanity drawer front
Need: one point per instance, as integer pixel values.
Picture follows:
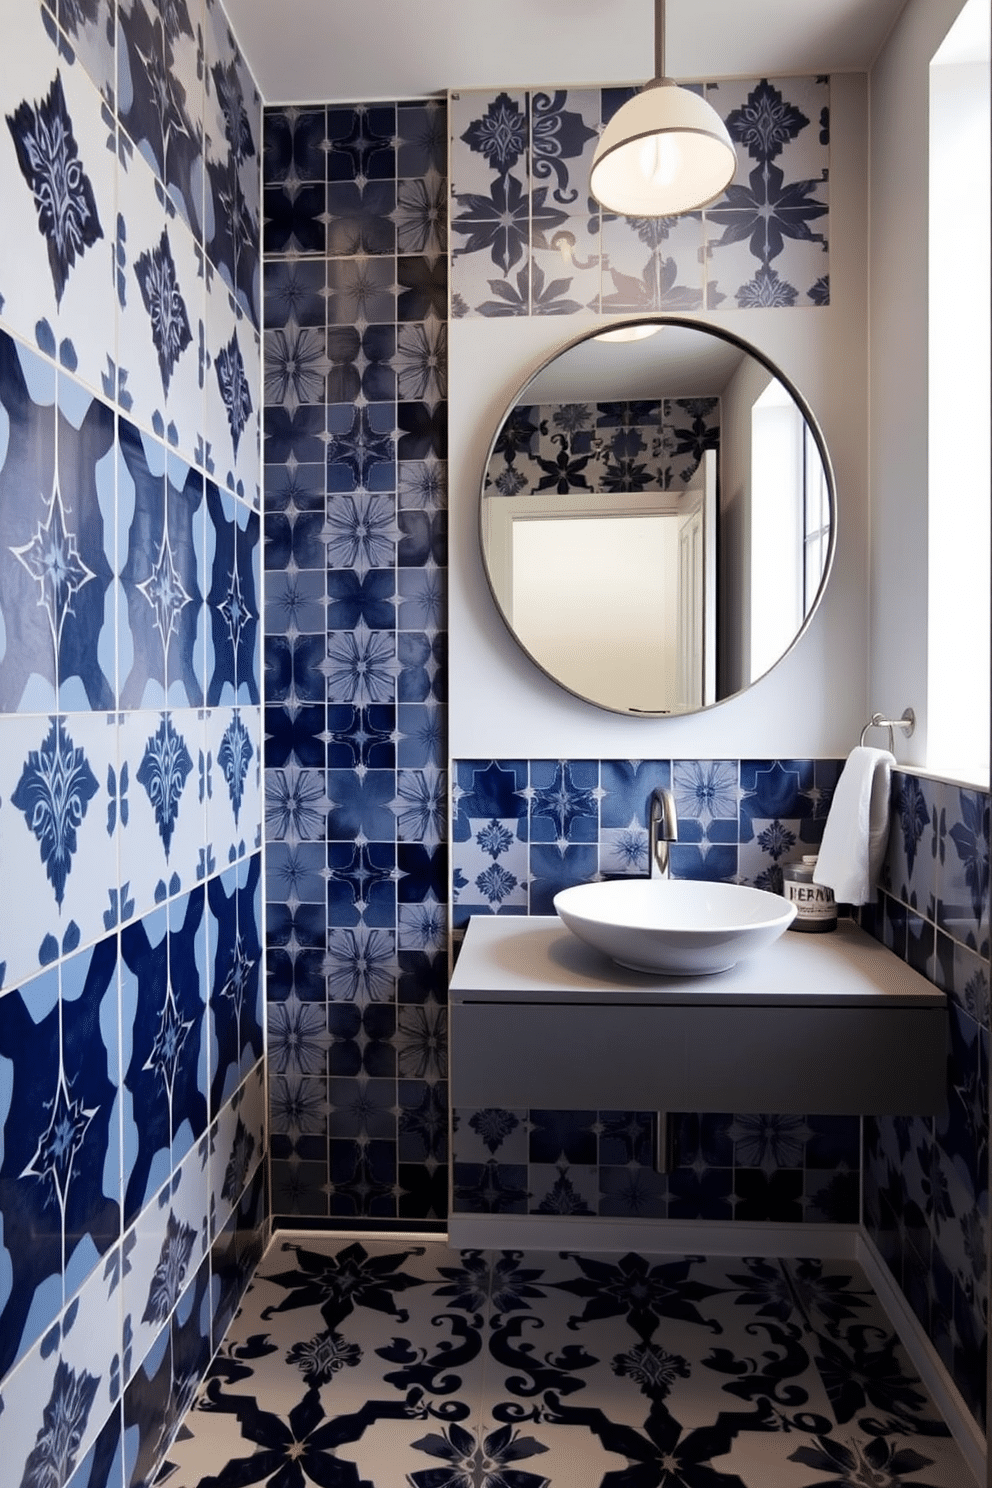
(884, 1061)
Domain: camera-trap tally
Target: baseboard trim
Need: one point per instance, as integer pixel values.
(655, 1236)
(924, 1357)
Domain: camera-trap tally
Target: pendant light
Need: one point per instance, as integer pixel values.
(666, 151)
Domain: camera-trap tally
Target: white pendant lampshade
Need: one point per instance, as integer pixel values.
(666, 151)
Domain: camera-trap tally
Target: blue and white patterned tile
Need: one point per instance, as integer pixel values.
(149, 1020)
(90, 33)
(963, 865)
(181, 585)
(155, 329)
(56, 261)
(91, 1350)
(34, 1170)
(91, 1070)
(233, 571)
(627, 786)
(30, 513)
(233, 394)
(232, 123)
(186, 391)
(236, 1147)
(236, 989)
(909, 871)
(563, 800)
(161, 1252)
(81, 522)
(652, 264)
(188, 979)
(159, 98)
(706, 803)
(146, 1411)
(52, 779)
(150, 601)
(767, 237)
(234, 796)
(162, 841)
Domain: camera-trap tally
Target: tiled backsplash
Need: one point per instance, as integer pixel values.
(523, 829)
(132, 1108)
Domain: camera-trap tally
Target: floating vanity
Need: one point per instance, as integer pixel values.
(814, 1024)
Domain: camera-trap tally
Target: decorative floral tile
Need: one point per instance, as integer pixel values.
(520, 166)
(963, 865)
(157, 325)
(232, 207)
(159, 100)
(60, 199)
(233, 395)
(53, 781)
(656, 1350)
(767, 235)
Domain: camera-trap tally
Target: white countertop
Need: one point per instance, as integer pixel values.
(535, 959)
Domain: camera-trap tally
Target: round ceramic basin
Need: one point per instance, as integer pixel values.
(676, 927)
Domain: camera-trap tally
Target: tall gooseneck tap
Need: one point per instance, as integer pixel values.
(663, 830)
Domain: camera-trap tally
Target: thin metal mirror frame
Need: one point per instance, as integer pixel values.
(685, 322)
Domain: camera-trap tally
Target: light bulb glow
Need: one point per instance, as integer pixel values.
(660, 159)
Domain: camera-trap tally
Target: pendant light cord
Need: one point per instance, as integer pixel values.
(659, 39)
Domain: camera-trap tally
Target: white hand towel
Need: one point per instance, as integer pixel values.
(857, 827)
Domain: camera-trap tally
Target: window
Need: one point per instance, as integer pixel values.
(959, 393)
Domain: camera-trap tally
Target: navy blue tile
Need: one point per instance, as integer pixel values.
(490, 1188)
(552, 869)
(293, 290)
(293, 735)
(293, 219)
(762, 1196)
(360, 218)
(423, 431)
(293, 143)
(362, 736)
(563, 1135)
(361, 143)
(423, 286)
(366, 597)
(705, 1195)
(423, 144)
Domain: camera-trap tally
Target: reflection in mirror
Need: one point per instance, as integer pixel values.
(657, 518)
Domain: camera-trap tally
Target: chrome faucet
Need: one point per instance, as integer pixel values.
(663, 830)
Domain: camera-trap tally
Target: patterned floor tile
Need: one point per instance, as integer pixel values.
(400, 1363)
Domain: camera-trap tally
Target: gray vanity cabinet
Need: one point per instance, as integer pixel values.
(824, 1024)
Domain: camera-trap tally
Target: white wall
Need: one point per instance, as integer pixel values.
(816, 700)
(899, 115)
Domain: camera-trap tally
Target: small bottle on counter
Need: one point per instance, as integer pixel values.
(816, 909)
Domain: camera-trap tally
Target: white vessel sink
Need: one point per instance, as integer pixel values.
(678, 927)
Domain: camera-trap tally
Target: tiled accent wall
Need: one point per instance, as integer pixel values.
(926, 1195)
(626, 446)
(132, 1191)
(527, 239)
(523, 829)
(355, 316)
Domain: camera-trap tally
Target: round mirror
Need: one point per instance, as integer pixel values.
(657, 516)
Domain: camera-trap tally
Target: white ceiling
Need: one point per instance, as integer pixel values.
(361, 50)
